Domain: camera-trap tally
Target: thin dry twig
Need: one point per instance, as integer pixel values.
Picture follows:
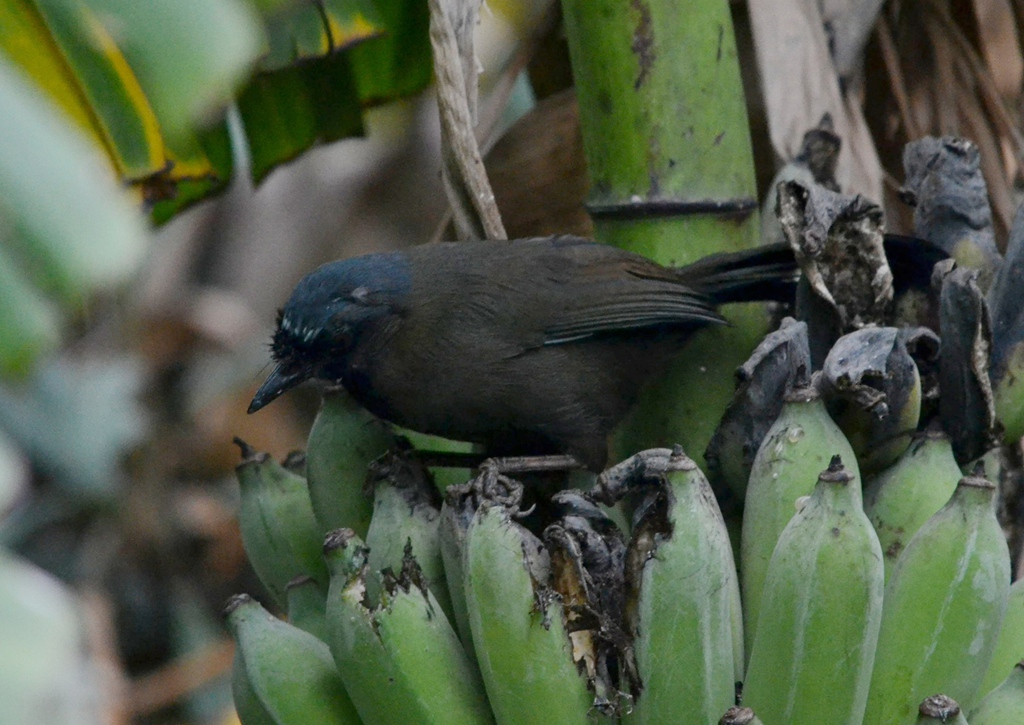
(174, 681)
(891, 62)
(976, 128)
(101, 643)
(984, 83)
(474, 209)
(945, 90)
(489, 127)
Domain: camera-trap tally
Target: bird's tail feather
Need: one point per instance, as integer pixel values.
(770, 273)
(766, 273)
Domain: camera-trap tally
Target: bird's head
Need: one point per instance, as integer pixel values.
(326, 313)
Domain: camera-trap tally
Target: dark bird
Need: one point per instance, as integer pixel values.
(529, 346)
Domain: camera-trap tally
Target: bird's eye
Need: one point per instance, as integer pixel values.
(361, 295)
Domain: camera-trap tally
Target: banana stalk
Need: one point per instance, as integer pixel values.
(401, 662)
(1005, 704)
(1010, 642)
(279, 530)
(797, 447)
(652, 91)
(901, 498)
(684, 592)
(940, 709)
(282, 675)
(944, 605)
(405, 519)
(822, 608)
(342, 443)
(518, 624)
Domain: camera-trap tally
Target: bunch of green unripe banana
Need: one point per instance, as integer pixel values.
(624, 602)
(845, 563)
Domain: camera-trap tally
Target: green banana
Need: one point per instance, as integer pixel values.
(797, 447)
(523, 649)
(1005, 704)
(1009, 396)
(937, 709)
(401, 662)
(683, 595)
(1010, 642)
(307, 604)
(821, 611)
(342, 443)
(944, 605)
(295, 462)
(282, 675)
(902, 497)
(456, 515)
(995, 463)
(443, 475)
(740, 716)
(405, 516)
(1007, 357)
(279, 530)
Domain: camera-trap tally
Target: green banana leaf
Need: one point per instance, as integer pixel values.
(42, 661)
(148, 82)
(146, 86)
(327, 62)
(65, 227)
(289, 110)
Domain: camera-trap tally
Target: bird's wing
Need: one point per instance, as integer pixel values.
(624, 310)
(605, 290)
(529, 293)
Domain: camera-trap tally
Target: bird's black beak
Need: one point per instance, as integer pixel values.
(279, 381)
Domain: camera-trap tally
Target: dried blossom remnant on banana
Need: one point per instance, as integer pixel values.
(761, 384)
(875, 393)
(945, 186)
(967, 405)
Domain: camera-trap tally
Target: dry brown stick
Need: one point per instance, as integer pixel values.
(1017, 6)
(891, 61)
(986, 86)
(101, 643)
(474, 209)
(944, 92)
(489, 130)
(985, 124)
(174, 681)
(976, 127)
(988, 92)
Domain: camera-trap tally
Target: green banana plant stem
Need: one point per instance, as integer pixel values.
(668, 149)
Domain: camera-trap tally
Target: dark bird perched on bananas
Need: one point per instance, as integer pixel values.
(530, 346)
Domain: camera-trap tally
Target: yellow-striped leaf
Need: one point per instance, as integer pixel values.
(26, 41)
(109, 85)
